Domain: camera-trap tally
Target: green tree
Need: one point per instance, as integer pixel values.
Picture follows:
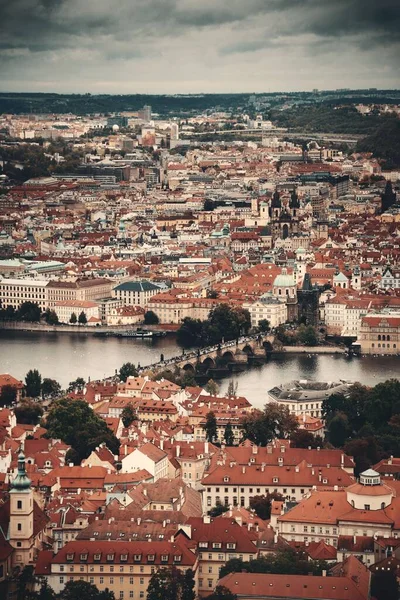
(33, 383)
(83, 590)
(8, 395)
(304, 439)
(74, 422)
(29, 311)
(232, 389)
(128, 415)
(73, 318)
(222, 593)
(82, 319)
(262, 504)
(264, 325)
(28, 412)
(210, 427)
(212, 387)
(78, 384)
(127, 370)
(190, 333)
(150, 318)
(307, 335)
(228, 435)
(275, 421)
(218, 510)
(169, 583)
(51, 318)
(50, 387)
(338, 430)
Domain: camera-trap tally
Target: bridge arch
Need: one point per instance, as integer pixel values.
(268, 346)
(188, 367)
(248, 349)
(208, 363)
(228, 356)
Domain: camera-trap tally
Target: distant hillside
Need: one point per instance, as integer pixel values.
(384, 143)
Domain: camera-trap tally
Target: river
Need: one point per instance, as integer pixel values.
(66, 356)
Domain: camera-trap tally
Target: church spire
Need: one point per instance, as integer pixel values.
(22, 481)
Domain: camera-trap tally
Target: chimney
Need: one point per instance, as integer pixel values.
(243, 469)
(320, 477)
(342, 459)
(70, 464)
(390, 460)
(254, 449)
(206, 447)
(318, 448)
(162, 443)
(354, 539)
(323, 573)
(178, 451)
(269, 449)
(139, 520)
(206, 519)
(144, 492)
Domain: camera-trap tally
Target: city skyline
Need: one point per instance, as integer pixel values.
(176, 46)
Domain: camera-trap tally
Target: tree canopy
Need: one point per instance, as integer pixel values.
(128, 369)
(150, 318)
(210, 427)
(8, 395)
(224, 323)
(263, 426)
(77, 424)
(170, 583)
(33, 383)
(285, 562)
(365, 422)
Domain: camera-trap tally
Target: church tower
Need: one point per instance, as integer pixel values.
(294, 203)
(276, 205)
(21, 534)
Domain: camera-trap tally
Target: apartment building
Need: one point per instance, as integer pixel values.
(65, 308)
(306, 397)
(84, 290)
(125, 567)
(232, 484)
(13, 292)
(148, 457)
(136, 293)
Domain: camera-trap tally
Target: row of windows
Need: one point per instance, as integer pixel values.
(383, 345)
(121, 593)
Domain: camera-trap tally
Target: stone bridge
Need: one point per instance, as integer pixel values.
(222, 355)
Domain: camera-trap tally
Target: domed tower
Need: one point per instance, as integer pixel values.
(369, 493)
(21, 533)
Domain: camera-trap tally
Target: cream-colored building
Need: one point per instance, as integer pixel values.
(65, 308)
(380, 334)
(366, 508)
(121, 566)
(82, 289)
(13, 292)
(269, 308)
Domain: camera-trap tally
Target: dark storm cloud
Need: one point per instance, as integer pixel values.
(142, 31)
(41, 24)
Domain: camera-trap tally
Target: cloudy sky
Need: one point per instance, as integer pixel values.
(190, 46)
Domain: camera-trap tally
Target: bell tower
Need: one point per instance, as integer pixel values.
(21, 534)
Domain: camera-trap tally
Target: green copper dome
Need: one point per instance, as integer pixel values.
(22, 481)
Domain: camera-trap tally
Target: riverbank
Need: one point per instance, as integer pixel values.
(78, 328)
(311, 350)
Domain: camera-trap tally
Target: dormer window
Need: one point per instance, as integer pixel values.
(70, 557)
(231, 545)
(177, 557)
(97, 557)
(137, 557)
(150, 558)
(226, 479)
(275, 479)
(203, 544)
(110, 557)
(124, 557)
(83, 556)
(164, 558)
(217, 545)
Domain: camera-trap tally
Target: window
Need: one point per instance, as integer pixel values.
(367, 507)
(124, 558)
(131, 594)
(19, 504)
(19, 526)
(141, 581)
(111, 580)
(97, 557)
(61, 579)
(131, 580)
